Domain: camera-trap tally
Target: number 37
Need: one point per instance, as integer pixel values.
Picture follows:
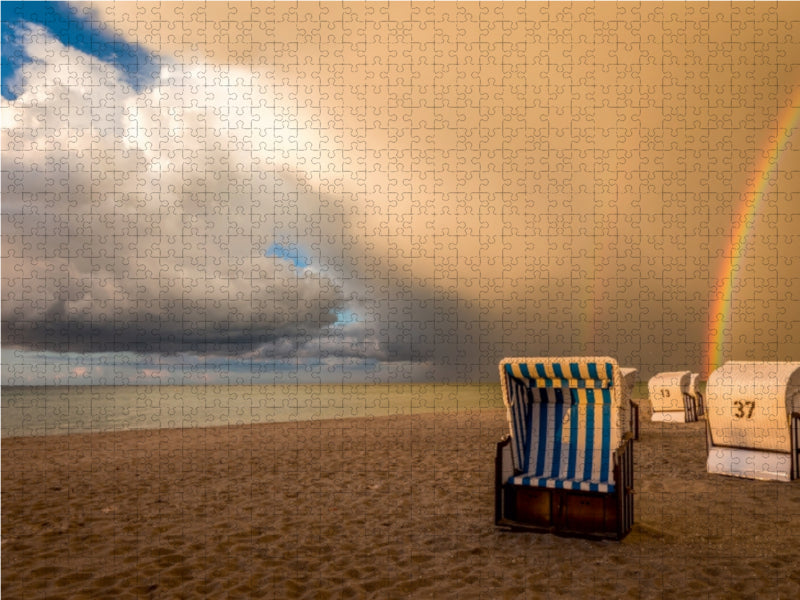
(743, 409)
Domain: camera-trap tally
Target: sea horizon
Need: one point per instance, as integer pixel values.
(63, 409)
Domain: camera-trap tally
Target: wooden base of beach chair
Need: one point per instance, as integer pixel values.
(568, 512)
(565, 512)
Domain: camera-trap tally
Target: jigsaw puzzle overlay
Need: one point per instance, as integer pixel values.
(410, 191)
(235, 213)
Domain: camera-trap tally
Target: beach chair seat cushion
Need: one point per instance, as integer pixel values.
(585, 485)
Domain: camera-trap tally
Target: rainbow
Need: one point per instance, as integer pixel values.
(720, 312)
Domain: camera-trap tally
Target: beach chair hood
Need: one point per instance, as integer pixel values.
(666, 390)
(591, 380)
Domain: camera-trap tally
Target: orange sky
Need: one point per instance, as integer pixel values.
(556, 178)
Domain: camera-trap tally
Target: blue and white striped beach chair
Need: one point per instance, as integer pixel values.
(567, 465)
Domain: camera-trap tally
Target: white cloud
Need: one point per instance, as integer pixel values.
(139, 221)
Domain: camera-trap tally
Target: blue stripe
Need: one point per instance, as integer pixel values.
(558, 426)
(575, 370)
(523, 368)
(610, 373)
(558, 372)
(558, 417)
(605, 452)
(515, 425)
(523, 434)
(593, 371)
(589, 450)
(573, 439)
(559, 395)
(528, 428)
(540, 371)
(543, 433)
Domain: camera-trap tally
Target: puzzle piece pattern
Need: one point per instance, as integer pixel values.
(402, 192)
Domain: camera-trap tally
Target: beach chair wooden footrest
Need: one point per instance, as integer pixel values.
(568, 512)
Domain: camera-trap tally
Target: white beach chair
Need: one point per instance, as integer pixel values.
(670, 398)
(567, 465)
(753, 420)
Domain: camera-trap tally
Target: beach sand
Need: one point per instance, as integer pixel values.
(391, 507)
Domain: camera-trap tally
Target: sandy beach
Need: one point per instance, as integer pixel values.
(390, 507)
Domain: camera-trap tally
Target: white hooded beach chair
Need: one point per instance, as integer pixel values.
(753, 420)
(567, 465)
(670, 398)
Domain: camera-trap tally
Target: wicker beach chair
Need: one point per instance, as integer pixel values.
(753, 420)
(670, 398)
(567, 465)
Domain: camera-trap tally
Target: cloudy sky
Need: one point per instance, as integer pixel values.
(239, 193)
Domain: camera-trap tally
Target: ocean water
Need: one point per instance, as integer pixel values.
(59, 410)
